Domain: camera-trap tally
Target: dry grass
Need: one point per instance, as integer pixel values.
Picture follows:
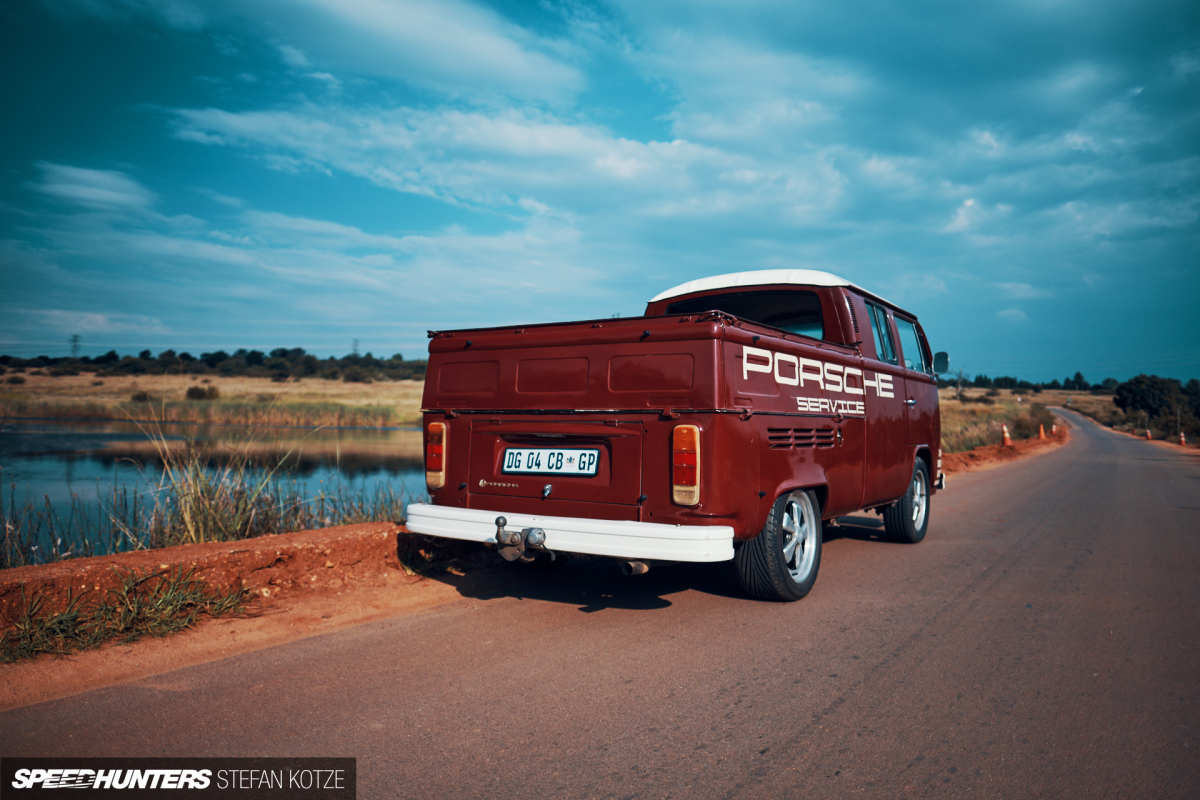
(969, 423)
(403, 447)
(1099, 407)
(243, 400)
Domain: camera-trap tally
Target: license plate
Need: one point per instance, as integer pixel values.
(550, 461)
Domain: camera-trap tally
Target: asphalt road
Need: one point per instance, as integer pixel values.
(1044, 641)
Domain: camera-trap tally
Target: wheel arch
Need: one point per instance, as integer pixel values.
(809, 476)
(926, 454)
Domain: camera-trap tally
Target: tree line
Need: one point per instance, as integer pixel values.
(1075, 382)
(1164, 404)
(280, 364)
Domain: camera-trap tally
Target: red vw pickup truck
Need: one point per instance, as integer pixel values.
(726, 424)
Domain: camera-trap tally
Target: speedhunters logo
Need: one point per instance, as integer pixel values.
(301, 778)
(112, 779)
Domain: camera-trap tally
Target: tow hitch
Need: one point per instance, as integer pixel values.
(515, 545)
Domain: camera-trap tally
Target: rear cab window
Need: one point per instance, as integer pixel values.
(790, 311)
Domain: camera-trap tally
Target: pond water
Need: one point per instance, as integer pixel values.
(74, 468)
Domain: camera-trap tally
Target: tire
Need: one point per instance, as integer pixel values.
(907, 519)
(781, 563)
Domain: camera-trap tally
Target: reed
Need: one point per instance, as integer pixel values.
(198, 496)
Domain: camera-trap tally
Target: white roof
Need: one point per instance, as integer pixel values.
(757, 277)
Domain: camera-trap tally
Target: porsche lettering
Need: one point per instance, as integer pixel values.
(790, 370)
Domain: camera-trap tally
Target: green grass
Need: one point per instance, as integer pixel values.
(153, 604)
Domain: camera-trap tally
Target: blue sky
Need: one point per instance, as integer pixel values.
(1025, 176)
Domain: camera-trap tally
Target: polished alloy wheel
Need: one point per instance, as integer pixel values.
(919, 494)
(801, 529)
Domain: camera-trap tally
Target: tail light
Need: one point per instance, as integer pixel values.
(435, 455)
(685, 465)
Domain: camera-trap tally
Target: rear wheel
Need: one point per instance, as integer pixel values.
(906, 519)
(781, 563)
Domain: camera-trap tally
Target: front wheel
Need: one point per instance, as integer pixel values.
(906, 519)
(781, 563)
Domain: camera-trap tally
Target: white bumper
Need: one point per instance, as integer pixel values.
(598, 537)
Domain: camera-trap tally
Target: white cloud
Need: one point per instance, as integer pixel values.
(459, 47)
(93, 188)
(1077, 78)
(331, 83)
(1012, 315)
(293, 56)
(92, 321)
(892, 173)
(986, 141)
(1185, 64)
(453, 46)
(223, 199)
(496, 159)
(964, 215)
(735, 89)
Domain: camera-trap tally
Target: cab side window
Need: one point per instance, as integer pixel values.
(885, 348)
(910, 344)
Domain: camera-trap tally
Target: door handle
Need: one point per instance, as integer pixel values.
(910, 402)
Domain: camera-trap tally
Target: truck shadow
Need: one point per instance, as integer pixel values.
(862, 528)
(590, 583)
(593, 583)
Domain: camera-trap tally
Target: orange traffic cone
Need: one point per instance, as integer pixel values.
(1007, 438)
(1147, 433)
(1182, 439)
(1041, 431)
(1054, 429)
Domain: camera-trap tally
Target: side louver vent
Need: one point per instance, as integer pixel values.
(786, 438)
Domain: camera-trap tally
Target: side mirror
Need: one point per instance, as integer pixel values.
(941, 362)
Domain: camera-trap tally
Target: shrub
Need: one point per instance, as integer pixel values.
(355, 375)
(15, 379)
(97, 383)
(1026, 427)
(202, 393)
(141, 397)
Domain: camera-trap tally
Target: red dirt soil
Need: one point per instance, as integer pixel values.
(992, 454)
(301, 584)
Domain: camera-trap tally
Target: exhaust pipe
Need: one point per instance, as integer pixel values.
(634, 567)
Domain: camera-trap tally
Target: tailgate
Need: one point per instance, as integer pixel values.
(614, 365)
(615, 446)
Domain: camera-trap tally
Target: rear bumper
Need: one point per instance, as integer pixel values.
(598, 537)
